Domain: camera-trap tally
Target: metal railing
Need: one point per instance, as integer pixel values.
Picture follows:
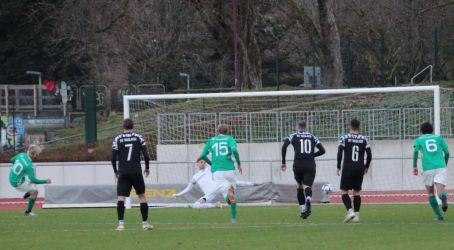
(430, 67)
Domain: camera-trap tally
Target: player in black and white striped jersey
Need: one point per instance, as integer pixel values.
(304, 144)
(127, 148)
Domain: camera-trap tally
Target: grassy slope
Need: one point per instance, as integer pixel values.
(276, 227)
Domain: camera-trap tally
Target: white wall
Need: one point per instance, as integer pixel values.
(390, 169)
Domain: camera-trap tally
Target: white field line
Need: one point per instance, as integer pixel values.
(239, 226)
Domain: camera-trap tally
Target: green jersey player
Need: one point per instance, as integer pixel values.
(435, 155)
(22, 176)
(222, 147)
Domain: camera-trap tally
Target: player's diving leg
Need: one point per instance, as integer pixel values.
(200, 204)
(433, 202)
(356, 204)
(443, 195)
(31, 202)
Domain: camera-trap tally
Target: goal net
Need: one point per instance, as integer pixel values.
(176, 126)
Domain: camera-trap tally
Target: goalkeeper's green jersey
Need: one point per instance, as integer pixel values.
(434, 150)
(221, 148)
(22, 166)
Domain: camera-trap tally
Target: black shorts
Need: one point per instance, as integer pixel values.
(127, 181)
(349, 182)
(304, 172)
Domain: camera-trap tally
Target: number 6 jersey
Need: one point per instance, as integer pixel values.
(432, 148)
(352, 147)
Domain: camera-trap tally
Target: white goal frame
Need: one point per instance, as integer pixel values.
(434, 88)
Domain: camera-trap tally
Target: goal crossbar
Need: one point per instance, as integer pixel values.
(434, 88)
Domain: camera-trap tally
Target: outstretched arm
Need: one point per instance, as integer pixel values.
(185, 190)
(31, 175)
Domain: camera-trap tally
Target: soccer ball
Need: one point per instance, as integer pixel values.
(327, 188)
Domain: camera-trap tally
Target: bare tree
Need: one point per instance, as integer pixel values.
(319, 23)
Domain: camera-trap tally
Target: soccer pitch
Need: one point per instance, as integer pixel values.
(268, 227)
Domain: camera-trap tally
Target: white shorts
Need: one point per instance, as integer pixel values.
(26, 186)
(224, 180)
(437, 175)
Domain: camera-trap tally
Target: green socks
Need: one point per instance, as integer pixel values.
(31, 203)
(434, 204)
(233, 211)
(441, 194)
(232, 208)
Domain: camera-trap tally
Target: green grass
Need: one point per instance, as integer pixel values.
(274, 227)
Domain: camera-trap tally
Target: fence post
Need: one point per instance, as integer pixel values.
(435, 48)
(90, 116)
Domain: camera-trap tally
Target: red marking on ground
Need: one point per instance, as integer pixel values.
(395, 196)
(18, 203)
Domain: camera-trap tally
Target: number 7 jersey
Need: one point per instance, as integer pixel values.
(432, 147)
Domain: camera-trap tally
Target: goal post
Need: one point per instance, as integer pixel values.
(176, 125)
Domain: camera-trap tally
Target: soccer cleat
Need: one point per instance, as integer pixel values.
(147, 226)
(305, 214)
(26, 195)
(438, 219)
(356, 218)
(350, 215)
(30, 214)
(233, 221)
(231, 196)
(120, 227)
(444, 203)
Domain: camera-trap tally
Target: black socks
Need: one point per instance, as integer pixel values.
(347, 201)
(300, 195)
(357, 202)
(144, 211)
(121, 210)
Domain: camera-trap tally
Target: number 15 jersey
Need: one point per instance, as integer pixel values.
(432, 148)
(221, 148)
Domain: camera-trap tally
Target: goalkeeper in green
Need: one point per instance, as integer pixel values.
(22, 176)
(435, 155)
(222, 147)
